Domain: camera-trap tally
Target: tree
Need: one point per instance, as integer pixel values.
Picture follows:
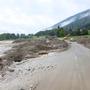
(60, 32)
(84, 32)
(22, 36)
(58, 27)
(78, 32)
(70, 31)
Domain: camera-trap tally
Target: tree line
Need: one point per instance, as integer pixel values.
(11, 36)
(60, 32)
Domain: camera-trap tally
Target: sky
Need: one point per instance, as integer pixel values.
(31, 16)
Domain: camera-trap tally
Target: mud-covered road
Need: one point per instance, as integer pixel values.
(68, 70)
(73, 72)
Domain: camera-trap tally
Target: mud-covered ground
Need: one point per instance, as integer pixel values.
(25, 74)
(67, 70)
(22, 50)
(84, 40)
(25, 49)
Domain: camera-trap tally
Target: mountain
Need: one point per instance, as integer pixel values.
(78, 21)
(71, 25)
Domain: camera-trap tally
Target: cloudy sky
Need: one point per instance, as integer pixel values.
(30, 16)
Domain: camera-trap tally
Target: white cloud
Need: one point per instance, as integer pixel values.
(13, 18)
(45, 1)
(30, 16)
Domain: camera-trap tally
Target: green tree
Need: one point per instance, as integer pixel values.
(84, 32)
(78, 32)
(60, 32)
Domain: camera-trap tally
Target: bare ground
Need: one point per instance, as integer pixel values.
(69, 70)
(26, 49)
(84, 40)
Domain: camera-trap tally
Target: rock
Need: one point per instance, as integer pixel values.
(11, 70)
(0, 76)
(31, 56)
(42, 52)
(1, 66)
(29, 69)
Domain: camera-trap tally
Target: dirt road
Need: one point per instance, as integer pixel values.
(68, 70)
(73, 72)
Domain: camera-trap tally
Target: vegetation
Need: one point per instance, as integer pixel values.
(9, 36)
(60, 32)
(83, 23)
(78, 21)
(47, 33)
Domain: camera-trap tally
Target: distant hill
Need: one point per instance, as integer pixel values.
(73, 23)
(80, 20)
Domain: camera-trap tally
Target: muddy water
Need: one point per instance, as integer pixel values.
(5, 46)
